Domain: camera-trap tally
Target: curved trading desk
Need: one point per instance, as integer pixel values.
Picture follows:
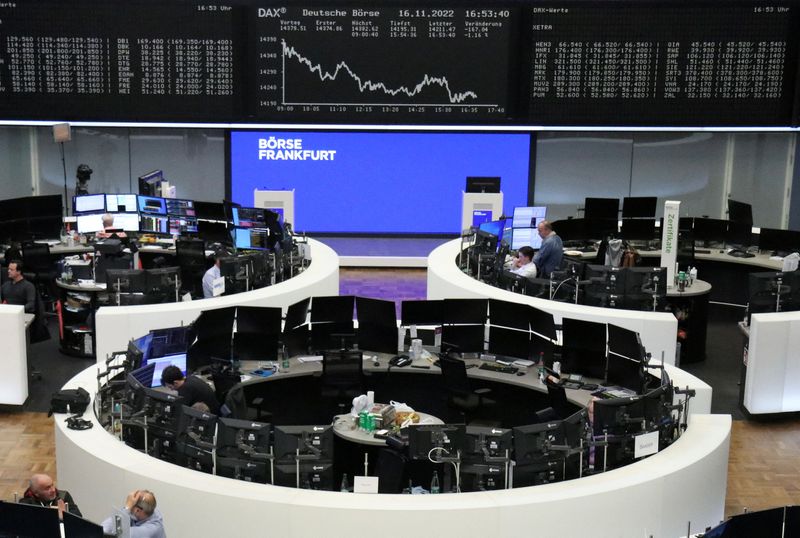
(446, 281)
(115, 325)
(656, 496)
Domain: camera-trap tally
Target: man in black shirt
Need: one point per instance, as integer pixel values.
(42, 492)
(192, 389)
(17, 290)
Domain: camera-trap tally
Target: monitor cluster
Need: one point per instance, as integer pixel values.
(32, 217)
(773, 291)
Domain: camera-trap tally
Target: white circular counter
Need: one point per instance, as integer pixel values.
(657, 330)
(116, 325)
(656, 496)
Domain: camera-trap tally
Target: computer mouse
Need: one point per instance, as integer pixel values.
(520, 373)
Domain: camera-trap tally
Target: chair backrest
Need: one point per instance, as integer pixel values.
(190, 253)
(454, 373)
(558, 399)
(223, 383)
(390, 469)
(342, 368)
(36, 257)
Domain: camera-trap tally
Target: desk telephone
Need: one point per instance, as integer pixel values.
(400, 361)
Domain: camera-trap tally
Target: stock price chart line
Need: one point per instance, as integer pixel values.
(382, 62)
(371, 86)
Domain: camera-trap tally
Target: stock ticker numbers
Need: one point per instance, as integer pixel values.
(663, 64)
(388, 62)
(126, 61)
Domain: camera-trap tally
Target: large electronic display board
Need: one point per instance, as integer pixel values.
(523, 62)
(373, 182)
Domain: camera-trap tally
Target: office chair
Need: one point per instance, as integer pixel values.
(560, 407)
(342, 377)
(460, 394)
(40, 270)
(390, 470)
(191, 256)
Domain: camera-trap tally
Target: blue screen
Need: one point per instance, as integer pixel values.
(377, 182)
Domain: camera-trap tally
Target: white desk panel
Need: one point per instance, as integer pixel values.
(772, 384)
(14, 359)
(656, 496)
(116, 325)
(658, 330)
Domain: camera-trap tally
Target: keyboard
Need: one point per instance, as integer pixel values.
(492, 367)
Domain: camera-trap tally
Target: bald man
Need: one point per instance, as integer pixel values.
(42, 492)
(146, 520)
(550, 253)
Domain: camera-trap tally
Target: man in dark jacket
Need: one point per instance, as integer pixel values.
(192, 389)
(42, 492)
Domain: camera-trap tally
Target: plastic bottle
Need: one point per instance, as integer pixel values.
(692, 275)
(435, 483)
(345, 486)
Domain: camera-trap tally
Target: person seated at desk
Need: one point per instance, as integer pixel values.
(42, 492)
(210, 276)
(192, 389)
(146, 520)
(523, 264)
(17, 290)
(108, 225)
(549, 256)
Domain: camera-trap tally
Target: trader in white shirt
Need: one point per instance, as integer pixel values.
(210, 276)
(523, 264)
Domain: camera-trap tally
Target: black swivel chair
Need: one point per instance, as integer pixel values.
(468, 402)
(560, 407)
(191, 257)
(40, 270)
(342, 377)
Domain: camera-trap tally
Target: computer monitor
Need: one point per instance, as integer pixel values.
(466, 338)
(601, 228)
(209, 210)
(29, 521)
(88, 203)
(740, 212)
(164, 409)
(710, 230)
(251, 238)
(601, 208)
(376, 312)
(126, 280)
(315, 441)
(78, 527)
(572, 229)
(150, 183)
(584, 348)
(182, 225)
(643, 285)
(335, 308)
(509, 342)
(618, 416)
(180, 208)
(542, 323)
(317, 475)
(170, 341)
(485, 242)
(626, 373)
(121, 203)
(448, 438)
(249, 217)
(508, 314)
(528, 217)
(532, 443)
(772, 239)
(772, 291)
(178, 359)
(243, 439)
(495, 228)
(137, 352)
(198, 427)
(151, 205)
(639, 207)
(638, 229)
(246, 470)
(606, 286)
(89, 223)
(163, 281)
(154, 224)
(465, 311)
(297, 314)
(128, 222)
(625, 343)
(482, 184)
(740, 233)
(135, 383)
(378, 338)
(422, 312)
(484, 442)
(521, 237)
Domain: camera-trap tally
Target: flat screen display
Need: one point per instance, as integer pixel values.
(88, 203)
(521, 237)
(528, 217)
(161, 363)
(377, 182)
(121, 203)
(152, 205)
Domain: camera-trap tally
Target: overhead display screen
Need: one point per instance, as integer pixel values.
(131, 60)
(436, 62)
(635, 63)
(407, 183)
(381, 61)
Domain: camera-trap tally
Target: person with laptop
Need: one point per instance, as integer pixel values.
(550, 254)
(523, 264)
(192, 389)
(146, 520)
(108, 228)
